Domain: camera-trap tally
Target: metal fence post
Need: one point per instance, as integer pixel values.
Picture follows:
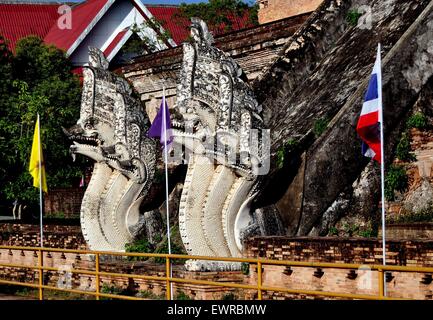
(259, 280)
(41, 274)
(381, 285)
(97, 276)
(167, 273)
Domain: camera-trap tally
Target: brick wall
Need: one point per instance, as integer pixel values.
(271, 10)
(87, 282)
(55, 236)
(66, 202)
(417, 230)
(335, 250)
(358, 251)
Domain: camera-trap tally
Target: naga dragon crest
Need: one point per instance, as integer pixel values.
(112, 131)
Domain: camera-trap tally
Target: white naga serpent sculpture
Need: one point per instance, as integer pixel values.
(217, 130)
(112, 131)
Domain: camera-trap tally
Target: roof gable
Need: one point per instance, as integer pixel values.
(84, 16)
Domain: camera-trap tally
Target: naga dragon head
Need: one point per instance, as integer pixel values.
(217, 108)
(112, 123)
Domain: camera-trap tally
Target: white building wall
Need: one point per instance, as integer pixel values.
(120, 15)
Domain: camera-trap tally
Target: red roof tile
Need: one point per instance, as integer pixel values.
(178, 27)
(18, 20)
(21, 20)
(82, 16)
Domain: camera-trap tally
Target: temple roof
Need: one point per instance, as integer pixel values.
(18, 20)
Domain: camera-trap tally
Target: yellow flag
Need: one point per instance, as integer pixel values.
(35, 158)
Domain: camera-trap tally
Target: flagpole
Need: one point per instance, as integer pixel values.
(164, 125)
(40, 183)
(382, 163)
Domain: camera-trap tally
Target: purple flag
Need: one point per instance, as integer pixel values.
(160, 128)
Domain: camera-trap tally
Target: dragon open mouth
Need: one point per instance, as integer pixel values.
(92, 141)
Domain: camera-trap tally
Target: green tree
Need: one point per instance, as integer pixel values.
(39, 81)
(5, 98)
(140, 43)
(221, 13)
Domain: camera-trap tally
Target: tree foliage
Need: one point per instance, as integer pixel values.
(226, 14)
(141, 43)
(37, 79)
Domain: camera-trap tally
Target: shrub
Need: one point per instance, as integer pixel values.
(425, 215)
(140, 246)
(403, 151)
(111, 289)
(320, 126)
(417, 120)
(333, 231)
(350, 229)
(175, 249)
(282, 151)
(147, 294)
(182, 296)
(245, 267)
(368, 233)
(396, 180)
(353, 17)
(229, 296)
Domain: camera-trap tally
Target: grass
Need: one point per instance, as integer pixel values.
(48, 294)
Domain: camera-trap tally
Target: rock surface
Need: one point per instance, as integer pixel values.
(322, 74)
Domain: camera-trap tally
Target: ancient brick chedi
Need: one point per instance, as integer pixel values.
(271, 10)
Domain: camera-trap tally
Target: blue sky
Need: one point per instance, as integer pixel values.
(144, 1)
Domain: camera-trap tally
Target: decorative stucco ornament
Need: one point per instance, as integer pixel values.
(112, 130)
(218, 115)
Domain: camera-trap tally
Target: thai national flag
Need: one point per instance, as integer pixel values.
(368, 127)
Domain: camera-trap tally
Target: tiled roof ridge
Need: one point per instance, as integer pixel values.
(161, 5)
(53, 2)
